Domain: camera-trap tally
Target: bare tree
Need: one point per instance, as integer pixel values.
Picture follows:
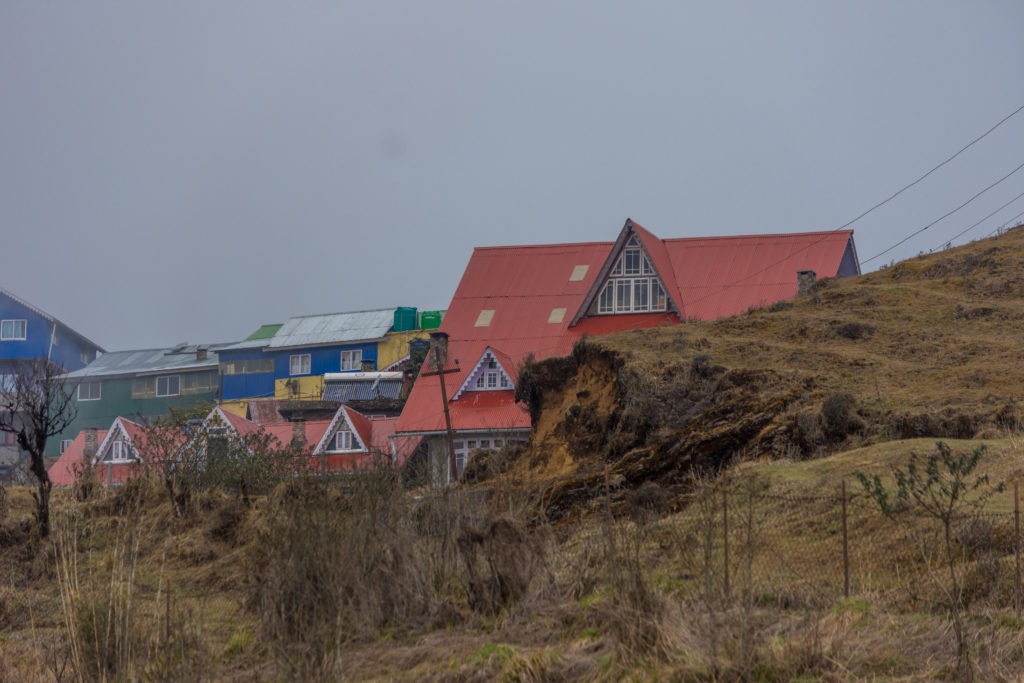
(36, 404)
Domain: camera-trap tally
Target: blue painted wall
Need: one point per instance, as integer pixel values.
(255, 385)
(67, 349)
(322, 359)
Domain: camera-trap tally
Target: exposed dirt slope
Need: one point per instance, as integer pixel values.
(931, 347)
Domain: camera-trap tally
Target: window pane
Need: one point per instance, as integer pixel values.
(624, 299)
(641, 300)
(606, 303)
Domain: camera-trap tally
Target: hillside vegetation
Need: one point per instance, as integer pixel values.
(680, 515)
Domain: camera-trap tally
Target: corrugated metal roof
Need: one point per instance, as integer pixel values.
(257, 340)
(148, 361)
(334, 328)
(363, 390)
(707, 277)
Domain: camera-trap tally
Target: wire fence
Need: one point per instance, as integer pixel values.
(738, 541)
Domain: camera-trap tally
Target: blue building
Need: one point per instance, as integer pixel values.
(29, 334)
(289, 361)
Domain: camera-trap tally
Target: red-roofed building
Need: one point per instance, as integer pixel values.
(514, 302)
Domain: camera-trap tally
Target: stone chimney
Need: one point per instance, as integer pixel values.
(438, 350)
(805, 280)
(299, 432)
(91, 444)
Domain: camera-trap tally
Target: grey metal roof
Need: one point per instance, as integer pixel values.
(333, 328)
(149, 361)
(362, 390)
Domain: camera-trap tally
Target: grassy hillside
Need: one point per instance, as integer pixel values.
(679, 516)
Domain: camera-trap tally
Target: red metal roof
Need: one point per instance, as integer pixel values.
(62, 472)
(705, 277)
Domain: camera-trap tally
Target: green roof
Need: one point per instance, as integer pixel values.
(265, 332)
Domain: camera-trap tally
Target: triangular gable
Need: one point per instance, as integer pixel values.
(489, 374)
(120, 432)
(345, 420)
(652, 252)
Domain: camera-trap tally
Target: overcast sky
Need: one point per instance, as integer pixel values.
(188, 171)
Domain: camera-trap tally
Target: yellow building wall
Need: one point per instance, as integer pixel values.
(395, 346)
(308, 387)
(238, 406)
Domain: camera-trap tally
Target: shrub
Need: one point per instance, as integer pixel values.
(837, 418)
(855, 330)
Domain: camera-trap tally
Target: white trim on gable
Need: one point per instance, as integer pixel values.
(487, 375)
(116, 433)
(340, 418)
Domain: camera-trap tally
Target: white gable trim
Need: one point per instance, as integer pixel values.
(339, 420)
(479, 369)
(116, 430)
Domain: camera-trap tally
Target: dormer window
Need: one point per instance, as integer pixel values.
(633, 286)
(119, 452)
(342, 441)
(489, 375)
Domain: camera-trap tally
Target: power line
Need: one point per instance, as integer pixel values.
(1006, 224)
(945, 215)
(967, 230)
(865, 213)
(936, 168)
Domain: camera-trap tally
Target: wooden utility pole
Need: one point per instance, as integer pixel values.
(439, 344)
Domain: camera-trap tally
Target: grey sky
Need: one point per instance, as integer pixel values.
(189, 171)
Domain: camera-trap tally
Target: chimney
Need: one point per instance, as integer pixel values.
(201, 353)
(438, 350)
(299, 432)
(91, 444)
(805, 280)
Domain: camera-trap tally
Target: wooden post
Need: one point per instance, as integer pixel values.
(1016, 547)
(725, 537)
(438, 340)
(846, 549)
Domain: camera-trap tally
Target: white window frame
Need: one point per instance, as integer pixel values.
(305, 363)
(343, 440)
(632, 295)
(167, 386)
(352, 360)
(90, 397)
(64, 445)
(12, 322)
(119, 452)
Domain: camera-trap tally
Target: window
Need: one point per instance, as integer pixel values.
(491, 376)
(8, 438)
(8, 382)
(247, 367)
(632, 287)
(168, 385)
(89, 391)
(352, 360)
(342, 440)
(64, 445)
(13, 330)
(85, 357)
(299, 364)
(119, 451)
(632, 295)
(198, 382)
(144, 387)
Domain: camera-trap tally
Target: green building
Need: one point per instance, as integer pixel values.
(140, 385)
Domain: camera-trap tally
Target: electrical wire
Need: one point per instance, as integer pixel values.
(945, 215)
(865, 213)
(949, 242)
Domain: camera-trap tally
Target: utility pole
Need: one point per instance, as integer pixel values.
(439, 349)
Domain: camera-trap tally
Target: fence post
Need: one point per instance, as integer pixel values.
(1016, 547)
(725, 536)
(846, 550)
